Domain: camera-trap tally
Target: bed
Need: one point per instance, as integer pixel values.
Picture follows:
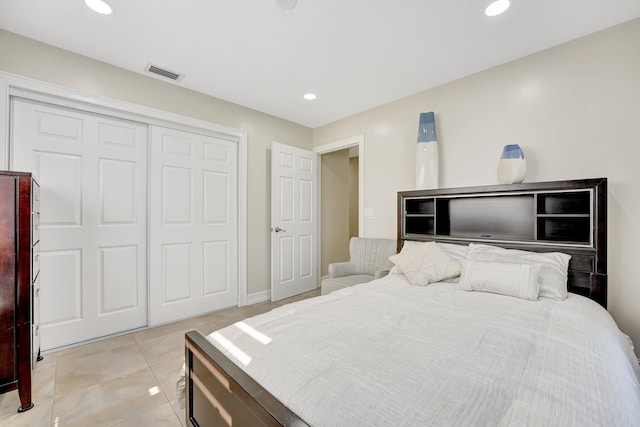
(465, 348)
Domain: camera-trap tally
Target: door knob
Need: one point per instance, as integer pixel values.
(278, 229)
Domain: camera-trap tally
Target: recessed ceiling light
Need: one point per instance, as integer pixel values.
(99, 6)
(310, 96)
(497, 7)
(287, 4)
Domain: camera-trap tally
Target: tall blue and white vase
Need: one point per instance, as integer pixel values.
(512, 167)
(427, 153)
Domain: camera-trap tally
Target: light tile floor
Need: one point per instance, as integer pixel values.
(127, 380)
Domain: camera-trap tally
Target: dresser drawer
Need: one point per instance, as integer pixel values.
(35, 198)
(35, 262)
(35, 344)
(35, 316)
(582, 263)
(35, 228)
(35, 309)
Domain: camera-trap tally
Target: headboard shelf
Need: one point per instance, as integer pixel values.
(563, 216)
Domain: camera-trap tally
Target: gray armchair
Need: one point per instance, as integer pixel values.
(369, 259)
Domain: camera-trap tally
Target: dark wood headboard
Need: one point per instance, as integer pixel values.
(558, 216)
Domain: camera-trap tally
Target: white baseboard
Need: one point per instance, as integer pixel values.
(257, 297)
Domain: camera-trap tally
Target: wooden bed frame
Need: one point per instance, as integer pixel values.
(218, 393)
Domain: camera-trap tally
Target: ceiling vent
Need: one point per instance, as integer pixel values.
(154, 69)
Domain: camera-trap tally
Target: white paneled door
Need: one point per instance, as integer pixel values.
(294, 224)
(93, 175)
(193, 245)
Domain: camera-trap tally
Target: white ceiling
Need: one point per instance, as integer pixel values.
(354, 54)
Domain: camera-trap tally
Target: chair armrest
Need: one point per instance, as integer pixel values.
(341, 269)
(380, 273)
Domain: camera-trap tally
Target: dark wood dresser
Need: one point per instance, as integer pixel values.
(19, 283)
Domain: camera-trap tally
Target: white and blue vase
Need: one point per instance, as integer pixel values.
(427, 153)
(512, 167)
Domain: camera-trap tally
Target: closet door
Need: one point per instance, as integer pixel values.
(193, 245)
(93, 175)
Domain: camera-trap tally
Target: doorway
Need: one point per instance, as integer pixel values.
(341, 198)
(339, 205)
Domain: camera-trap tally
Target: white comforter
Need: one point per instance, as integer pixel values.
(390, 354)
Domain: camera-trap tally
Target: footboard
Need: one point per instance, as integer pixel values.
(218, 393)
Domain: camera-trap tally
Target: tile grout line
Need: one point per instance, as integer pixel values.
(156, 377)
(141, 414)
(55, 385)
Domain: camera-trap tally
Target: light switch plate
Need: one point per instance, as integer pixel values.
(368, 213)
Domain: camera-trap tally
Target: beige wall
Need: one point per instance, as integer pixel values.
(575, 111)
(26, 57)
(334, 196)
(354, 174)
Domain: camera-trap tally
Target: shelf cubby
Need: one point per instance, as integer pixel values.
(560, 213)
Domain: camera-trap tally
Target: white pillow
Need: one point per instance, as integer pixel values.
(516, 280)
(406, 245)
(425, 263)
(457, 252)
(553, 274)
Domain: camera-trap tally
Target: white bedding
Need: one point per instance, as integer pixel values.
(389, 354)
